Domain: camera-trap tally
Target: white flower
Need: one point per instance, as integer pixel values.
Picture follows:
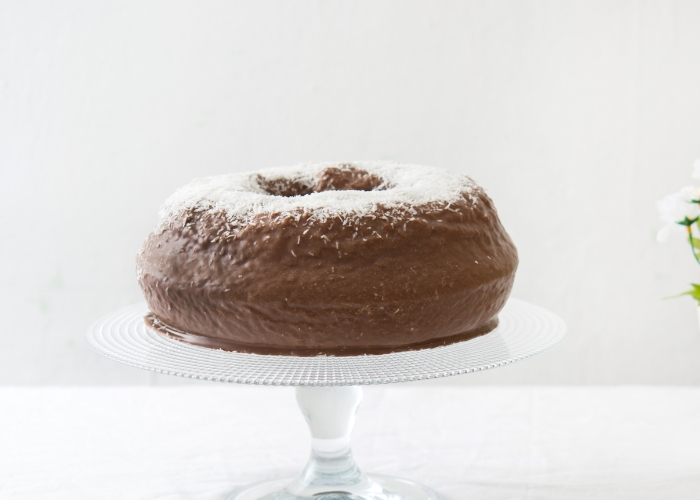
(696, 169)
(678, 207)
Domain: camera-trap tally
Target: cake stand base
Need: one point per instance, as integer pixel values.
(390, 488)
(331, 472)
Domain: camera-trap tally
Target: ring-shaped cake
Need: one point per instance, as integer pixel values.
(336, 259)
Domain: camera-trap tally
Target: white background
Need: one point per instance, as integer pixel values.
(575, 116)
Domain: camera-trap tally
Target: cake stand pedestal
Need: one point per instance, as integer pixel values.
(328, 388)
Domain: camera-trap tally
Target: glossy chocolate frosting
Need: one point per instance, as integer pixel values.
(292, 284)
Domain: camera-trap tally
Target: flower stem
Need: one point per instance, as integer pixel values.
(692, 245)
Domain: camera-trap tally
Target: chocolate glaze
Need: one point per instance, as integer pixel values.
(229, 345)
(298, 286)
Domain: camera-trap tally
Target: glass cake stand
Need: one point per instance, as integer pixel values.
(328, 388)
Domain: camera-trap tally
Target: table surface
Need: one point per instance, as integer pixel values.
(195, 442)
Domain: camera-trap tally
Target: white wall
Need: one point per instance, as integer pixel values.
(575, 116)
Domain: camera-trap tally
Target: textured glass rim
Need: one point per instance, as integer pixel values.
(524, 330)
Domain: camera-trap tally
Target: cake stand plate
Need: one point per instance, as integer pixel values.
(524, 330)
(328, 388)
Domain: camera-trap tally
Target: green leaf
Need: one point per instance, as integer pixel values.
(696, 244)
(688, 222)
(694, 293)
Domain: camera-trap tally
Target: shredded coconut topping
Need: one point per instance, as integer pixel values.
(242, 196)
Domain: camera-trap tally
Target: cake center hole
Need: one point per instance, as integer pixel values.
(340, 178)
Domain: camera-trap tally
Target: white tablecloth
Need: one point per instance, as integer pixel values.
(485, 443)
